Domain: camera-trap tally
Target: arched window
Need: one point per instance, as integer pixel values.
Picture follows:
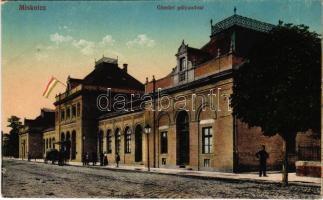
(46, 143)
(127, 140)
(50, 143)
(109, 141)
(117, 141)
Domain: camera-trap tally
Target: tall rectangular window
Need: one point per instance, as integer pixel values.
(109, 142)
(182, 64)
(117, 141)
(207, 140)
(163, 142)
(128, 141)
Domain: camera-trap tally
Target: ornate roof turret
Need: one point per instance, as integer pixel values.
(238, 20)
(182, 49)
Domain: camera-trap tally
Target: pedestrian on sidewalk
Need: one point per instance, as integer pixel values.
(262, 155)
(105, 159)
(117, 159)
(83, 159)
(94, 158)
(29, 156)
(101, 159)
(86, 158)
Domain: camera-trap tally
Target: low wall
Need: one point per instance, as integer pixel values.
(308, 168)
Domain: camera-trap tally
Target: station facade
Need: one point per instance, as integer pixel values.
(189, 112)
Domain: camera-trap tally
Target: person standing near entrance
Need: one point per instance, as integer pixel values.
(262, 155)
(29, 156)
(101, 159)
(94, 158)
(86, 158)
(83, 159)
(105, 159)
(117, 159)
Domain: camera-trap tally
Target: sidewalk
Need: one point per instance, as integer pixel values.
(273, 176)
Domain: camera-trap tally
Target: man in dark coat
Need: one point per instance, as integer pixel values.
(262, 155)
(105, 159)
(101, 159)
(94, 158)
(117, 159)
(83, 159)
(86, 158)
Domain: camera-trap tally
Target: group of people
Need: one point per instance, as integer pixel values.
(103, 159)
(262, 155)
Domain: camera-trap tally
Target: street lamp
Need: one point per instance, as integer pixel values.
(147, 131)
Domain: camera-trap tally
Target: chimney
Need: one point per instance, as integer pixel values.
(125, 67)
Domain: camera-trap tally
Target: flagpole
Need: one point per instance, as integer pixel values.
(60, 81)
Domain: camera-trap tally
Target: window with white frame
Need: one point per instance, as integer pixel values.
(207, 140)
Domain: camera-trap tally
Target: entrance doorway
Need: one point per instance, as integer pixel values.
(73, 145)
(182, 139)
(138, 144)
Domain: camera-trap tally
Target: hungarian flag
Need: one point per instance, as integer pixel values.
(50, 86)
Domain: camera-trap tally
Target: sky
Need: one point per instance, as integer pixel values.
(67, 37)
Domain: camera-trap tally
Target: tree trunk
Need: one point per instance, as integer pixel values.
(285, 162)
